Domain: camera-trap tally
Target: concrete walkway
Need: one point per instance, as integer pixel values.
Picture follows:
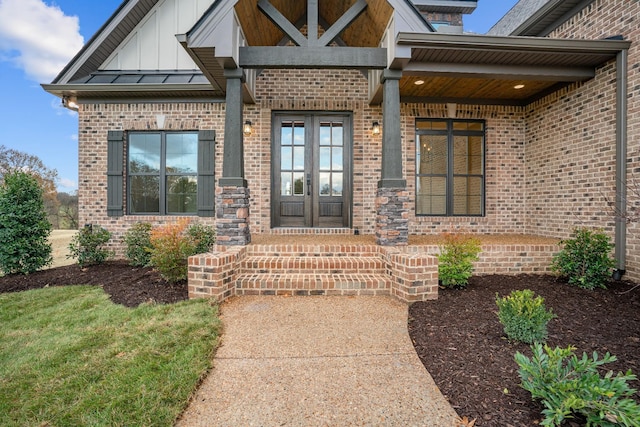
(317, 361)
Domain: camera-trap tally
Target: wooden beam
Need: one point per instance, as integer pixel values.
(500, 72)
(282, 22)
(312, 57)
(312, 22)
(343, 22)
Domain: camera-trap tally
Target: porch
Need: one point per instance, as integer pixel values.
(337, 262)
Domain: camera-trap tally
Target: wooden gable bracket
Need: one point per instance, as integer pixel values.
(312, 51)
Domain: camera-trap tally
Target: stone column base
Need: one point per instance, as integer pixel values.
(392, 219)
(232, 216)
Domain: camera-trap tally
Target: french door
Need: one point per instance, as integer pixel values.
(311, 170)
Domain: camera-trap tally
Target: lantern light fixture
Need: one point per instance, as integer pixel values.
(375, 128)
(247, 129)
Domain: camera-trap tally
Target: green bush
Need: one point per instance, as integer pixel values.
(24, 228)
(138, 244)
(455, 261)
(585, 260)
(173, 244)
(88, 245)
(524, 317)
(202, 236)
(569, 386)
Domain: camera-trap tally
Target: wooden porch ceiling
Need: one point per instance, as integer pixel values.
(366, 30)
(497, 70)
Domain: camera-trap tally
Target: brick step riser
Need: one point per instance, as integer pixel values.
(319, 265)
(292, 284)
(311, 270)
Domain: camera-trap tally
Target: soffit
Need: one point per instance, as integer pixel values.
(485, 69)
(365, 31)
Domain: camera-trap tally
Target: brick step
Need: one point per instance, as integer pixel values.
(319, 250)
(312, 284)
(312, 264)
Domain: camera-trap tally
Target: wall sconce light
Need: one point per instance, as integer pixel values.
(375, 128)
(247, 129)
(70, 102)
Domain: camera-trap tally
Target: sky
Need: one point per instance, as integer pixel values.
(39, 37)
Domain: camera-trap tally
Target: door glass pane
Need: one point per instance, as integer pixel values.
(298, 134)
(182, 152)
(286, 184)
(286, 155)
(325, 183)
(286, 134)
(336, 133)
(336, 188)
(298, 184)
(325, 158)
(432, 154)
(325, 134)
(145, 194)
(144, 153)
(298, 158)
(336, 163)
(181, 194)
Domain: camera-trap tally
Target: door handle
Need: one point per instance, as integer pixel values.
(308, 184)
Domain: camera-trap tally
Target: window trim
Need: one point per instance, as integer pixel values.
(450, 175)
(162, 175)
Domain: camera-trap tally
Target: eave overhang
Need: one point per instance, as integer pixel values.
(485, 69)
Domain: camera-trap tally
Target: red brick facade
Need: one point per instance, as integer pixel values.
(549, 166)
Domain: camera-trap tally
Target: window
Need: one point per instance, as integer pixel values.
(162, 173)
(450, 167)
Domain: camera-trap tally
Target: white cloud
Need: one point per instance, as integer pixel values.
(66, 184)
(37, 37)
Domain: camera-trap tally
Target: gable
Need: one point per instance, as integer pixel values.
(152, 44)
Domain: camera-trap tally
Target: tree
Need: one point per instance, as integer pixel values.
(68, 211)
(24, 229)
(15, 160)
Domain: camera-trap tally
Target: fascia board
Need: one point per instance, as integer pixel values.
(94, 43)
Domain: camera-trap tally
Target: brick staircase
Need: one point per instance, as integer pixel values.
(313, 269)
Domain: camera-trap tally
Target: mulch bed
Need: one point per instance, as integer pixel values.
(462, 344)
(126, 285)
(458, 337)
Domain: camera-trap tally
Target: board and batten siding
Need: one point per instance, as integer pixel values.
(152, 45)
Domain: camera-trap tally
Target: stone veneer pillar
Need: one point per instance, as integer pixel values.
(232, 216)
(392, 218)
(392, 198)
(232, 192)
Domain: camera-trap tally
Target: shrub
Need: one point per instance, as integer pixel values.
(138, 244)
(455, 261)
(24, 228)
(173, 244)
(88, 245)
(524, 317)
(569, 386)
(585, 260)
(202, 236)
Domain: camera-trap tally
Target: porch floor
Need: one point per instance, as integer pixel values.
(414, 240)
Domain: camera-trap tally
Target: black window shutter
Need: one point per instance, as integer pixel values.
(115, 153)
(206, 172)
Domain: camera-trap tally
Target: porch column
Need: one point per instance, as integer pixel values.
(392, 199)
(232, 194)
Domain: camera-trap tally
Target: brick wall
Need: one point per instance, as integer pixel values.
(95, 120)
(571, 185)
(505, 163)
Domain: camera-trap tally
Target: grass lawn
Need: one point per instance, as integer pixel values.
(69, 357)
